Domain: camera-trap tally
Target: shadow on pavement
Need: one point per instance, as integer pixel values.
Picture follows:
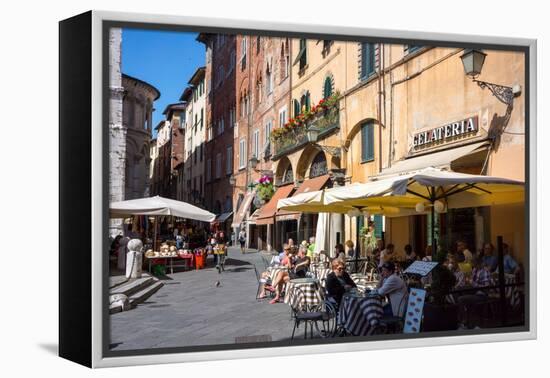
(238, 270)
(235, 262)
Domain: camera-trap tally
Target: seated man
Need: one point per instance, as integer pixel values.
(489, 257)
(510, 265)
(301, 263)
(338, 281)
(392, 286)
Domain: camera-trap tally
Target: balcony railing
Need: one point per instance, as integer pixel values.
(293, 140)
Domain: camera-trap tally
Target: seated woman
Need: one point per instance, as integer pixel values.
(338, 281)
(298, 268)
(284, 260)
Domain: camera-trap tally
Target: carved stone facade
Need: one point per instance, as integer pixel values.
(137, 111)
(131, 105)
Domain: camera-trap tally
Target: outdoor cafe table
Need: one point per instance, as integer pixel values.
(359, 313)
(363, 282)
(308, 286)
(322, 274)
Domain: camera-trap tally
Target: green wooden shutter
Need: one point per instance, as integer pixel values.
(370, 145)
(367, 60)
(296, 108)
(308, 101)
(378, 226)
(327, 92)
(370, 59)
(363, 60)
(367, 142)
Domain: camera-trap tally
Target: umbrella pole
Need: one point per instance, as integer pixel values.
(434, 243)
(155, 234)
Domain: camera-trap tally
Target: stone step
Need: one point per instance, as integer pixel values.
(142, 295)
(133, 286)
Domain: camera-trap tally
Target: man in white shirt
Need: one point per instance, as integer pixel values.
(394, 287)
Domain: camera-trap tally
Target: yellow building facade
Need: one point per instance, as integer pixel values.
(403, 108)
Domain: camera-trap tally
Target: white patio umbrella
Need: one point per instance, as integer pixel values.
(159, 206)
(155, 206)
(322, 233)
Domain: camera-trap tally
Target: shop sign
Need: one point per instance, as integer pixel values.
(446, 133)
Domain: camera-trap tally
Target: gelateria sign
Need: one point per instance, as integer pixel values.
(446, 133)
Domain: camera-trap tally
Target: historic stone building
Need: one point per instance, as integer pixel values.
(316, 70)
(175, 116)
(130, 121)
(137, 109)
(220, 109)
(404, 93)
(163, 169)
(195, 136)
(263, 98)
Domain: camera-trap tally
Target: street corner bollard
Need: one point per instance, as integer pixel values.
(134, 259)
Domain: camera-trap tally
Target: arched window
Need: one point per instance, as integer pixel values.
(327, 88)
(318, 166)
(296, 107)
(305, 101)
(288, 176)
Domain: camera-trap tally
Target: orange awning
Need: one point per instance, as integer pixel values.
(310, 185)
(240, 214)
(267, 212)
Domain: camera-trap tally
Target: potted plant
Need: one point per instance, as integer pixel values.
(264, 188)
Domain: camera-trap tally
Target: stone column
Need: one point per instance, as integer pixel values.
(269, 242)
(117, 132)
(337, 177)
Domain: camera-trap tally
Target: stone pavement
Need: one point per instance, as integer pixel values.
(189, 310)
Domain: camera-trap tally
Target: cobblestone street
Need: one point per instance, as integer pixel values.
(189, 310)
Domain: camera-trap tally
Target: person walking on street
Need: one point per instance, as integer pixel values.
(242, 239)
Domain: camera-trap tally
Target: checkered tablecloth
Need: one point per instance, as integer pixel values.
(322, 274)
(363, 282)
(311, 294)
(358, 314)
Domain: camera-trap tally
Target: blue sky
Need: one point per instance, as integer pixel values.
(165, 60)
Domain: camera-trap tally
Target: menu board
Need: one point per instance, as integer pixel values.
(415, 307)
(422, 268)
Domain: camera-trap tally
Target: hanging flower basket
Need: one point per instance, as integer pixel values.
(264, 188)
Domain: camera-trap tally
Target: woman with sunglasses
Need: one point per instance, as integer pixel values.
(338, 281)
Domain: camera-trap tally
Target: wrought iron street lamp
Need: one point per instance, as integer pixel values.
(473, 61)
(253, 163)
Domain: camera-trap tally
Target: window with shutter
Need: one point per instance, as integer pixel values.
(302, 55)
(327, 90)
(378, 226)
(367, 142)
(367, 60)
(296, 107)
